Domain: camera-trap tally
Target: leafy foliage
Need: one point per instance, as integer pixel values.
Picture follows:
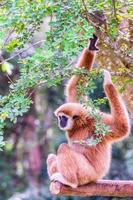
(22, 18)
(92, 106)
(50, 64)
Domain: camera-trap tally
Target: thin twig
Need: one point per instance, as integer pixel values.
(22, 51)
(3, 4)
(51, 19)
(8, 36)
(85, 7)
(9, 79)
(122, 74)
(87, 13)
(42, 82)
(114, 9)
(104, 37)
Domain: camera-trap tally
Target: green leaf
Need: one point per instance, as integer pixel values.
(7, 67)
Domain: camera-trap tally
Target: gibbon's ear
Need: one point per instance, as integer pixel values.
(56, 113)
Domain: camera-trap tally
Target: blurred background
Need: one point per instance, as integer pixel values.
(23, 170)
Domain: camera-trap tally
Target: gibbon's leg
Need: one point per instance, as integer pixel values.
(67, 167)
(119, 119)
(86, 60)
(51, 164)
(74, 168)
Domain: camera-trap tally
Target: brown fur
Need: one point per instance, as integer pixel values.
(75, 164)
(86, 60)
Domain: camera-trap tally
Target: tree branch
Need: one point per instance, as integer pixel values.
(114, 9)
(9, 35)
(85, 7)
(3, 4)
(115, 188)
(22, 51)
(103, 34)
(122, 74)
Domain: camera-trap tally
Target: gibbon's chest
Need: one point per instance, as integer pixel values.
(99, 156)
(97, 153)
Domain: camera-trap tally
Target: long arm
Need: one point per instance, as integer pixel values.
(118, 120)
(86, 60)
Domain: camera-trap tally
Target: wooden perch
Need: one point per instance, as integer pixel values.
(115, 188)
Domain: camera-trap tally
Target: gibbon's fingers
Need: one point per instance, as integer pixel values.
(51, 158)
(52, 168)
(55, 187)
(51, 164)
(107, 77)
(92, 43)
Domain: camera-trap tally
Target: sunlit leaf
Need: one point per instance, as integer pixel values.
(7, 67)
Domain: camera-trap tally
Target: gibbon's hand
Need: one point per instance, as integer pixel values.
(93, 43)
(107, 77)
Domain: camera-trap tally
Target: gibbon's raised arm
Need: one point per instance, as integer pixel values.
(118, 119)
(86, 60)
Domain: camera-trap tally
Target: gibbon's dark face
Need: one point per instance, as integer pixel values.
(63, 121)
(68, 114)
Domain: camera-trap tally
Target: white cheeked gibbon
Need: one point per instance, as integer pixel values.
(75, 164)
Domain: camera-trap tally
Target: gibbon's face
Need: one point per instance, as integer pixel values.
(69, 115)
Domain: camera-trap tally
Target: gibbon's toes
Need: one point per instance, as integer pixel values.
(51, 158)
(59, 178)
(107, 77)
(55, 187)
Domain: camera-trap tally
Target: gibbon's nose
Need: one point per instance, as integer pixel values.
(63, 121)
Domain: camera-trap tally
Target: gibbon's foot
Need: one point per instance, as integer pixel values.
(107, 78)
(51, 158)
(51, 164)
(58, 177)
(93, 42)
(55, 187)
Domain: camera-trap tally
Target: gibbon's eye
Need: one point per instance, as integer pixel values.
(75, 116)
